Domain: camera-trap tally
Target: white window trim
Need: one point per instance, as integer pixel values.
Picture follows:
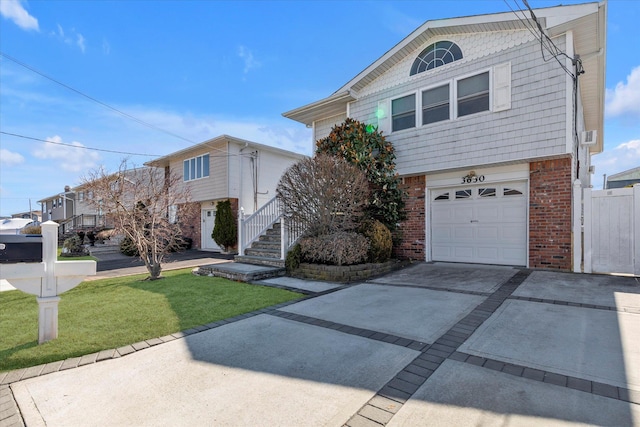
(189, 160)
(416, 110)
(466, 76)
(434, 86)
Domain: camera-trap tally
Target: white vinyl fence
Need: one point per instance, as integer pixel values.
(612, 230)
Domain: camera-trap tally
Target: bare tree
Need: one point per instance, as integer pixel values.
(325, 193)
(145, 205)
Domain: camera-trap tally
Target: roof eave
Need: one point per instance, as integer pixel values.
(327, 107)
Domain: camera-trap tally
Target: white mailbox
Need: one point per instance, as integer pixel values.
(47, 280)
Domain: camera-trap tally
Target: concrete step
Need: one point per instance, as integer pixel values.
(269, 238)
(255, 260)
(240, 271)
(266, 244)
(263, 253)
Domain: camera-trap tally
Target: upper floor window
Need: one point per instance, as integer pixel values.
(435, 104)
(196, 168)
(473, 94)
(436, 55)
(403, 112)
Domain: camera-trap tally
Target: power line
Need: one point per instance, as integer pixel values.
(103, 104)
(79, 146)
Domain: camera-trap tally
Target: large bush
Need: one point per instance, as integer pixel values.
(325, 194)
(225, 228)
(379, 236)
(73, 247)
(128, 247)
(364, 146)
(338, 248)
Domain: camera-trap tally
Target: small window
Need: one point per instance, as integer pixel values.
(80, 196)
(511, 192)
(443, 196)
(463, 194)
(403, 113)
(473, 94)
(487, 192)
(435, 105)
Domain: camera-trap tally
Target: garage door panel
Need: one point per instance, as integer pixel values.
(489, 214)
(488, 254)
(482, 228)
(465, 252)
(514, 255)
(462, 234)
(462, 214)
(442, 214)
(488, 233)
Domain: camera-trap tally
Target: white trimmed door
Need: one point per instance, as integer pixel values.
(208, 221)
(484, 224)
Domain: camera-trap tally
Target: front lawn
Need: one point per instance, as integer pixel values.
(75, 258)
(110, 313)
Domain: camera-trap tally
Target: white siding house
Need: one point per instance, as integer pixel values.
(226, 168)
(489, 128)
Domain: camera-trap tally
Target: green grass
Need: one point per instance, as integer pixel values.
(110, 313)
(75, 258)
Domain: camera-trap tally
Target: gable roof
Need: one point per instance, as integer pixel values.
(625, 175)
(587, 22)
(219, 140)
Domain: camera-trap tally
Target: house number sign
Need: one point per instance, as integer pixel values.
(472, 178)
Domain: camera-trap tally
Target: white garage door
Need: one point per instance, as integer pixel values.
(484, 224)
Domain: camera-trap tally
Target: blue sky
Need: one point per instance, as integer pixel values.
(199, 69)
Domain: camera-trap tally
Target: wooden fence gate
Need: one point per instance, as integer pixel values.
(612, 230)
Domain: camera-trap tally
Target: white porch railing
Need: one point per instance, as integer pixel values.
(252, 227)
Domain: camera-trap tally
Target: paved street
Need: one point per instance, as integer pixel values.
(431, 344)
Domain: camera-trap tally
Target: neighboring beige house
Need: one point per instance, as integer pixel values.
(226, 168)
(624, 179)
(491, 130)
(33, 215)
(72, 208)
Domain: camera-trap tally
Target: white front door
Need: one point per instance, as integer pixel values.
(208, 221)
(484, 224)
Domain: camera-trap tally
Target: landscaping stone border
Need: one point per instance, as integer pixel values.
(346, 273)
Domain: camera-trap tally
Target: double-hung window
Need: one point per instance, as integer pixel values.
(196, 168)
(403, 112)
(435, 104)
(473, 94)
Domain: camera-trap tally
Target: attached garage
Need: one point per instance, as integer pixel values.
(485, 223)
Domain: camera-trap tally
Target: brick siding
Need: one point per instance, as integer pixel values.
(550, 214)
(412, 230)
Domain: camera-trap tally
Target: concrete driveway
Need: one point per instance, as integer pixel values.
(432, 344)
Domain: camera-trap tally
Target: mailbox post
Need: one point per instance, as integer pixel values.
(47, 279)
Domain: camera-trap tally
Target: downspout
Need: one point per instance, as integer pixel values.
(246, 145)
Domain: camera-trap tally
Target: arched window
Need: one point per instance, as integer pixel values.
(436, 55)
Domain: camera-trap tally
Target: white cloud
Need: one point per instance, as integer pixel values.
(249, 61)
(624, 157)
(14, 11)
(80, 42)
(70, 37)
(106, 47)
(624, 99)
(70, 157)
(9, 158)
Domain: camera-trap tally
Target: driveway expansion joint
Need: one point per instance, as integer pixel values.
(400, 389)
(560, 380)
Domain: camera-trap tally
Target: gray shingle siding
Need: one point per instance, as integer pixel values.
(534, 127)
